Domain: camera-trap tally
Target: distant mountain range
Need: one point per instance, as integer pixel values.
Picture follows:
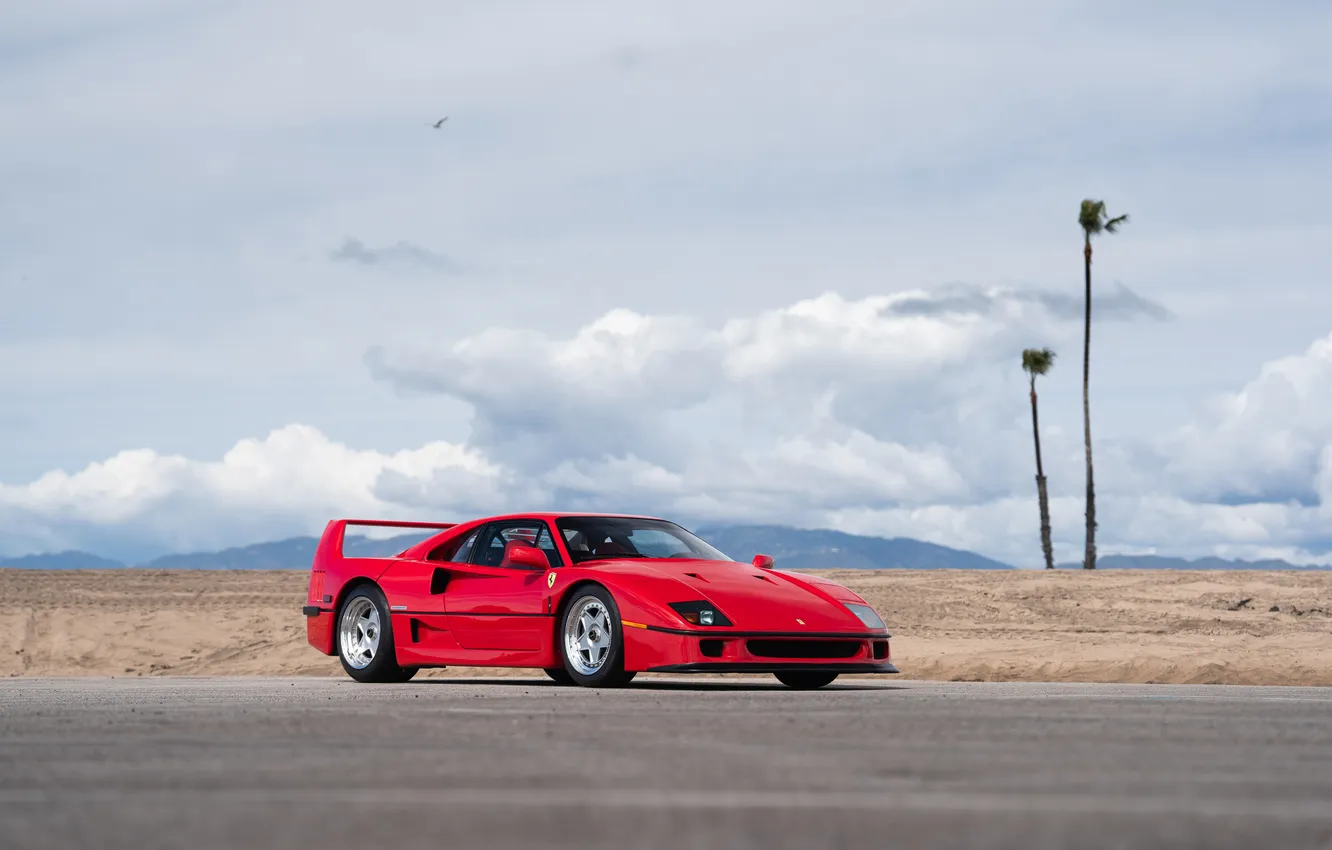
(293, 553)
(792, 548)
(1157, 562)
(801, 549)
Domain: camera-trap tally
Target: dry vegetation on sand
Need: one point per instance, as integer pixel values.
(1107, 626)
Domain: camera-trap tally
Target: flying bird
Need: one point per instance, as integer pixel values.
(439, 122)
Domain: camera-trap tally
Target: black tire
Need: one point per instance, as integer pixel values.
(559, 675)
(610, 673)
(407, 674)
(805, 680)
(383, 666)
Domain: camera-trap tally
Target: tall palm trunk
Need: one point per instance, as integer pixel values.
(1089, 557)
(1046, 546)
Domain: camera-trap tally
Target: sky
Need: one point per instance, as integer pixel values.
(747, 262)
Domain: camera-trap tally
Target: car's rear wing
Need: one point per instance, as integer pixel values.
(335, 533)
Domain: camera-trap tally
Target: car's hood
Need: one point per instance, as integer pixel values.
(753, 599)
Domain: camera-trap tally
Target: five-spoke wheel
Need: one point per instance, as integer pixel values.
(592, 640)
(359, 632)
(365, 638)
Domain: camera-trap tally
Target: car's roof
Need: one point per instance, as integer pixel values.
(550, 516)
(556, 515)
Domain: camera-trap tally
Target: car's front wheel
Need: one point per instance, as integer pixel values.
(592, 640)
(365, 639)
(805, 680)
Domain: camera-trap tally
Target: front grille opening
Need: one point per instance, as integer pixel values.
(880, 649)
(711, 647)
(778, 648)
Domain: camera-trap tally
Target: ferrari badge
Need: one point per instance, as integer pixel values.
(550, 579)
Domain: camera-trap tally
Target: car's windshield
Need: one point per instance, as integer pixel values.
(592, 538)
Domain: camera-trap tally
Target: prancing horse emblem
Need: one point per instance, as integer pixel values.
(550, 579)
(800, 621)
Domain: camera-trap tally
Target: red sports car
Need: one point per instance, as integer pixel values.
(590, 599)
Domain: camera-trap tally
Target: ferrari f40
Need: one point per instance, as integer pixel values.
(590, 599)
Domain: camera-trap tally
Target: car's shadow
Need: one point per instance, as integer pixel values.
(652, 685)
(664, 685)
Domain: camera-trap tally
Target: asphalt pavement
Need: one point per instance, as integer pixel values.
(692, 763)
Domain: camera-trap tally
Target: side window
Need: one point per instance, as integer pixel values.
(522, 533)
(465, 550)
(546, 543)
(491, 551)
(455, 550)
(490, 548)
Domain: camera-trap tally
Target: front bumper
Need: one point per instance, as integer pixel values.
(656, 649)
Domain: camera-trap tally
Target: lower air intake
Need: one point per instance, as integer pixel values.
(775, 648)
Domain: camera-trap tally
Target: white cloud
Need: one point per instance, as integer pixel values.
(1268, 441)
(290, 482)
(746, 421)
(799, 415)
(886, 365)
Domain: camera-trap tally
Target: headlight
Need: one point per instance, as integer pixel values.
(866, 615)
(700, 613)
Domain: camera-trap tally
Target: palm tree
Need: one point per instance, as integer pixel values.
(1093, 221)
(1037, 361)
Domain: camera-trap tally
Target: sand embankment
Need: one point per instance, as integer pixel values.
(1106, 626)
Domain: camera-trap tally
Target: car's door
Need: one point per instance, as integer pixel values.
(498, 607)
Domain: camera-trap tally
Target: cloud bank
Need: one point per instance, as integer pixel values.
(902, 414)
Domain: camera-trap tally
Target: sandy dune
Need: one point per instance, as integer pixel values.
(1107, 626)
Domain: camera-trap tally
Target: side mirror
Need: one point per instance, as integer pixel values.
(524, 557)
(763, 562)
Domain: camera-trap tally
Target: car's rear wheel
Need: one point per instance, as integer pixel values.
(365, 639)
(592, 640)
(805, 680)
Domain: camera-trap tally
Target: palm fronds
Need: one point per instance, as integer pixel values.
(1037, 361)
(1092, 220)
